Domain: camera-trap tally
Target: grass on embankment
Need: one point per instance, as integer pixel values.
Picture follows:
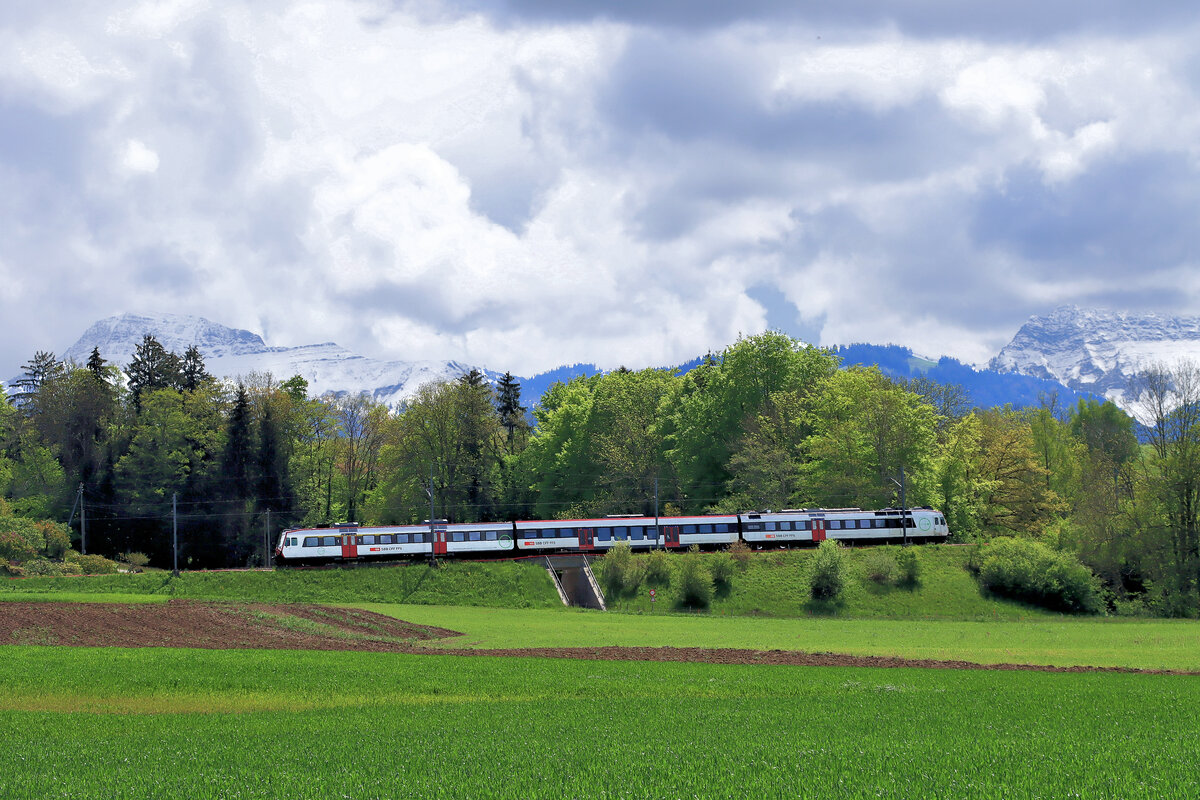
(778, 584)
(156, 724)
(504, 584)
(1061, 641)
(775, 584)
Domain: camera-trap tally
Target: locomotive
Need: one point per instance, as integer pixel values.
(351, 542)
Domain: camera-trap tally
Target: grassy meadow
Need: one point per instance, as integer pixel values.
(167, 723)
(1061, 641)
(505, 584)
(147, 723)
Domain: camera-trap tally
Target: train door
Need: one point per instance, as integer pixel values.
(670, 535)
(587, 538)
(439, 540)
(349, 546)
(818, 530)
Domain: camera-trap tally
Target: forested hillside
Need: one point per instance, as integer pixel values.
(768, 423)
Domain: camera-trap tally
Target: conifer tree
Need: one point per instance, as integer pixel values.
(95, 365)
(192, 374)
(508, 406)
(153, 367)
(41, 368)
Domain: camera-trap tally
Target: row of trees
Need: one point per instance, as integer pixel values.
(767, 423)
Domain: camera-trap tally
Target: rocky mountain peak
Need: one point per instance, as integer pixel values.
(117, 337)
(1097, 350)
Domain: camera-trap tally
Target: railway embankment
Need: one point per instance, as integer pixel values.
(763, 583)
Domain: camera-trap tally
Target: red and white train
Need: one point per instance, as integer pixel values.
(350, 542)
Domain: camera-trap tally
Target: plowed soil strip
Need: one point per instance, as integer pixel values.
(189, 623)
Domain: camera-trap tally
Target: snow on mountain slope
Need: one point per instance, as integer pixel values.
(1095, 350)
(230, 352)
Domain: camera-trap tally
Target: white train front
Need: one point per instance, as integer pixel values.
(350, 542)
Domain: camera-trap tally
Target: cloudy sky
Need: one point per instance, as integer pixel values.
(529, 183)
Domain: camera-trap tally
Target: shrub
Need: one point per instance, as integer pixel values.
(56, 538)
(1032, 572)
(879, 566)
(695, 581)
(13, 546)
(618, 570)
(740, 552)
(92, 564)
(658, 568)
(909, 565)
(722, 566)
(828, 564)
(136, 559)
(41, 567)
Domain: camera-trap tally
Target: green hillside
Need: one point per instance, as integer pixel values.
(775, 584)
(778, 584)
(498, 584)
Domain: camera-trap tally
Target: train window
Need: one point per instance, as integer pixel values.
(458, 537)
(330, 541)
(771, 526)
(704, 528)
(833, 524)
(754, 526)
(474, 536)
(722, 527)
(603, 534)
(636, 532)
(651, 532)
(621, 532)
(689, 528)
(312, 541)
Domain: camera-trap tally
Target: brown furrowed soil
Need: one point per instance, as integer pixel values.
(190, 623)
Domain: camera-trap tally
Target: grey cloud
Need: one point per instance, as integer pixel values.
(1136, 212)
(1019, 19)
(683, 90)
(40, 143)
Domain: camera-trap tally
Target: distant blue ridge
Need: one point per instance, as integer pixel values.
(987, 388)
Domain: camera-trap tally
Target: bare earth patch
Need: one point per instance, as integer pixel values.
(190, 623)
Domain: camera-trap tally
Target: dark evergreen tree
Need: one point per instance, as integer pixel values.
(42, 367)
(238, 487)
(271, 465)
(95, 365)
(235, 463)
(192, 374)
(473, 378)
(508, 405)
(153, 367)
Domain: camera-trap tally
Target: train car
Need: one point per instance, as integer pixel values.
(717, 530)
(477, 538)
(351, 543)
(585, 535)
(782, 528)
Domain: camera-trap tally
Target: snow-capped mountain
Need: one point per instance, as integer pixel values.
(1097, 351)
(230, 352)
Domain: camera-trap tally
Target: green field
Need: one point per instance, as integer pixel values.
(1141, 644)
(504, 584)
(149, 723)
